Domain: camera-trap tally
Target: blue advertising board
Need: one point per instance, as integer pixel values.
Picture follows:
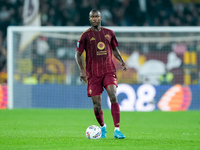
(143, 97)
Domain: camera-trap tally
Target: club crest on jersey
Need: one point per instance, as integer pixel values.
(101, 45)
(77, 44)
(107, 36)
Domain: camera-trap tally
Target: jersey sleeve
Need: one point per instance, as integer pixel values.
(81, 44)
(114, 42)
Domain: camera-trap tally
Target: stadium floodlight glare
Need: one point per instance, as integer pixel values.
(47, 55)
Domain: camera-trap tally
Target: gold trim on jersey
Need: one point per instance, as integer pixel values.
(101, 45)
(101, 52)
(82, 34)
(92, 39)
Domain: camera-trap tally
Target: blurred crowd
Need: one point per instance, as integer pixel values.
(114, 13)
(120, 12)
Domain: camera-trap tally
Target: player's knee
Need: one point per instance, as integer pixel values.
(113, 98)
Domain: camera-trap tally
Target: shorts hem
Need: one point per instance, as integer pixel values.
(110, 84)
(89, 95)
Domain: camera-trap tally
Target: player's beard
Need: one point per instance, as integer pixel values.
(95, 24)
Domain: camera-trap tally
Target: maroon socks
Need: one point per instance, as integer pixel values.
(115, 111)
(99, 117)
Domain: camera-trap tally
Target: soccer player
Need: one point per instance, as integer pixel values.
(99, 44)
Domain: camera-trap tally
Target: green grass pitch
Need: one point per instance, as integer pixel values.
(60, 129)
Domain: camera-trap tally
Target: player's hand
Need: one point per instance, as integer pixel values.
(124, 66)
(83, 76)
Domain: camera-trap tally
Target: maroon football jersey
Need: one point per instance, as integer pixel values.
(98, 46)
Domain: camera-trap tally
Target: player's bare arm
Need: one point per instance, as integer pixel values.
(117, 55)
(81, 68)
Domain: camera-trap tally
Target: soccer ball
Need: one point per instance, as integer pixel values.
(93, 132)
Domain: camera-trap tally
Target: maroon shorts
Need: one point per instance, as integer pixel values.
(96, 84)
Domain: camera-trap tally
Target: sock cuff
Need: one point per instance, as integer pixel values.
(115, 107)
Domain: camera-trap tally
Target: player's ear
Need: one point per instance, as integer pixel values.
(89, 18)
